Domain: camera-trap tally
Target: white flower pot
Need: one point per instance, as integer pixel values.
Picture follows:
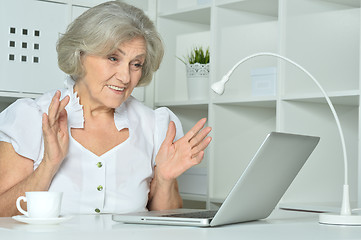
(198, 81)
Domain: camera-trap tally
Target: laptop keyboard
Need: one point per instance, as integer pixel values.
(200, 214)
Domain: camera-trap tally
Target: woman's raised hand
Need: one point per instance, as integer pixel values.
(55, 131)
(174, 158)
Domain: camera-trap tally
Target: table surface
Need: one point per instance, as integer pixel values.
(280, 225)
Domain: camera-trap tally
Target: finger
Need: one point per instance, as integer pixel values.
(195, 129)
(63, 103)
(63, 121)
(57, 107)
(171, 132)
(53, 99)
(200, 136)
(45, 124)
(197, 159)
(201, 146)
(53, 108)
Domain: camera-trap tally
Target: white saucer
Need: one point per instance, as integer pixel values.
(43, 221)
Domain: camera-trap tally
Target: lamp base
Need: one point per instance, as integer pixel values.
(337, 219)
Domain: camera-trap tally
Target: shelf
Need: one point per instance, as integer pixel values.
(194, 197)
(12, 96)
(217, 200)
(200, 14)
(85, 3)
(350, 98)
(269, 7)
(349, 3)
(177, 8)
(267, 102)
(198, 104)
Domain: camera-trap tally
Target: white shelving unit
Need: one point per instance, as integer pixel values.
(321, 35)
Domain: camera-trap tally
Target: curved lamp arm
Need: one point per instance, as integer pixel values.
(218, 87)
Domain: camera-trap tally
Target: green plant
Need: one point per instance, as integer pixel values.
(197, 55)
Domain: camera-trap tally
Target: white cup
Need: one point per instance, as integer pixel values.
(41, 204)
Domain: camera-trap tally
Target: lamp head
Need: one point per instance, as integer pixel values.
(218, 87)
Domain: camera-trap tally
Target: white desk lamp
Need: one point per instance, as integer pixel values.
(345, 217)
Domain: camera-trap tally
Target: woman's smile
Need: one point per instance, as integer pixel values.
(118, 89)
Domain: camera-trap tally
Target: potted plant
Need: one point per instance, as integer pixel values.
(197, 65)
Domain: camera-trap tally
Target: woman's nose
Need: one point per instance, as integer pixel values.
(122, 74)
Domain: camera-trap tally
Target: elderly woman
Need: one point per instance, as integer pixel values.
(106, 151)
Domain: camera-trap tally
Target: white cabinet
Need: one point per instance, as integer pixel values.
(29, 30)
(27, 41)
(321, 35)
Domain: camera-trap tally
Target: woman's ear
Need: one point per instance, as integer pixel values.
(81, 71)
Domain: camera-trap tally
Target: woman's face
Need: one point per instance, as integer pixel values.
(110, 80)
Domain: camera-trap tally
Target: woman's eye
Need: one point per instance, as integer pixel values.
(113, 59)
(136, 66)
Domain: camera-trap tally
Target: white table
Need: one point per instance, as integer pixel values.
(280, 225)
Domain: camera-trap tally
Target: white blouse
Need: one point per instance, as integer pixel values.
(115, 182)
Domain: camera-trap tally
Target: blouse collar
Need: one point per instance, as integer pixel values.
(76, 115)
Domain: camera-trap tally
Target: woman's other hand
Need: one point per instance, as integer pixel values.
(174, 158)
(55, 131)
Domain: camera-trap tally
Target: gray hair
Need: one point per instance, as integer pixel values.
(100, 30)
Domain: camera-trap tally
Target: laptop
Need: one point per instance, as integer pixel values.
(255, 194)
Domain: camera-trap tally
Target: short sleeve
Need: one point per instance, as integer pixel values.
(20, 125)
(163, 116)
